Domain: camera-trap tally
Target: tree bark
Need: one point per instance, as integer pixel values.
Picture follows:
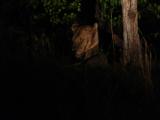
(131, 45)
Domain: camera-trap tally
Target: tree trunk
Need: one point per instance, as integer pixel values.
(132, 51)
(132, 46)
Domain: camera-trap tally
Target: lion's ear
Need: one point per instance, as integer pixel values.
(74, 27)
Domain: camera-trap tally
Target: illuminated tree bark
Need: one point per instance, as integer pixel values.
(131, 45)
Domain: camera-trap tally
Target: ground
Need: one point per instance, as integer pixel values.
(77, 92)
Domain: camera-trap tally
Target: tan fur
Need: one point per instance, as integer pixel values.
(85, 40)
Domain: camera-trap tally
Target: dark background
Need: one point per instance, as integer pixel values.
(38, 85)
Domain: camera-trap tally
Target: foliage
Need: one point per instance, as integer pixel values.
(111, 12)
(151, 7)
(61, 11)
(149, 15)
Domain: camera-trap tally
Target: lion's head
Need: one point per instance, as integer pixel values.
(85, 40)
